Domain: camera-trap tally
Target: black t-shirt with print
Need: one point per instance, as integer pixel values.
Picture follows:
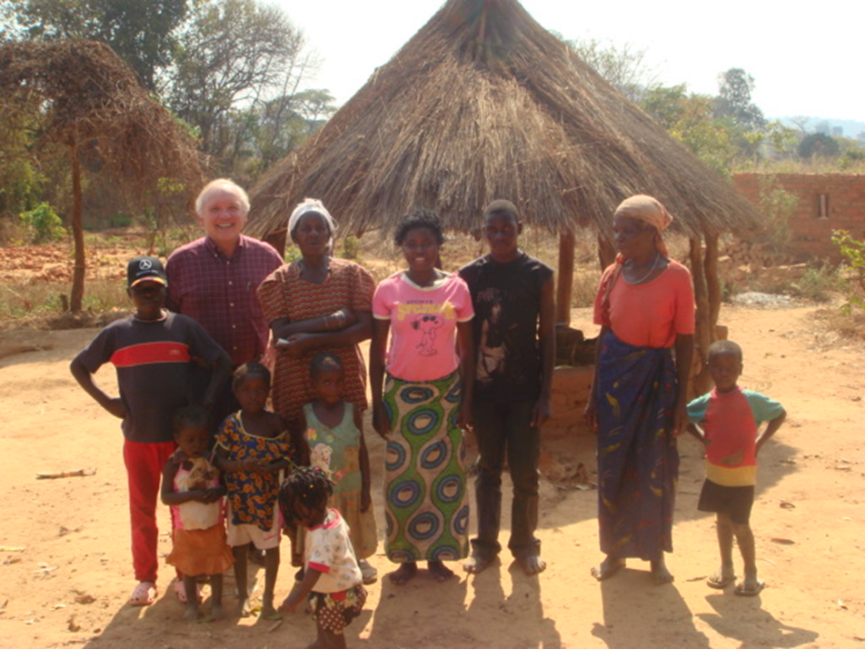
(507, 302)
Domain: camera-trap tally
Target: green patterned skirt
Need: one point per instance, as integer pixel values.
(425, 479)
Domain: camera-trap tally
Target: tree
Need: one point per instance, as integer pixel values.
(90, 101)
(818, 144)
(734, 100)
(233, 58)
(141, 32)
(624, 67)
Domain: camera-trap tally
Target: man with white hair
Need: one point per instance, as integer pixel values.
(214, 279)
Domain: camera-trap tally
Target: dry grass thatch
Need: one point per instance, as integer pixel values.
(89, 98)
(483, 103)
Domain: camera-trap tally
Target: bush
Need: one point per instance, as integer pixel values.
(853, 252)
(43, 224)
(350, 247)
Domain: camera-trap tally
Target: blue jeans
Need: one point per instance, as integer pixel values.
(504, 430)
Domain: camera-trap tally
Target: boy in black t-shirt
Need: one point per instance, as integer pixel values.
(152, 351)
(514, 331)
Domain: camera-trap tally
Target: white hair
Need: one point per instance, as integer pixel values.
(305, 207)
(225, 185)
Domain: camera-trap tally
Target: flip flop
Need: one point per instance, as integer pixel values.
(144, 594)
(719, 584)
(750, 592)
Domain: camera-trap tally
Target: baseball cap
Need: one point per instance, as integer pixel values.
(143, 269)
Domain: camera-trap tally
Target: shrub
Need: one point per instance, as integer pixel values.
(853, 253)
(43, 224)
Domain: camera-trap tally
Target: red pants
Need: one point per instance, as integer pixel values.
(144, 463)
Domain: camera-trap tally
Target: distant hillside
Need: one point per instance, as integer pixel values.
(849, 128)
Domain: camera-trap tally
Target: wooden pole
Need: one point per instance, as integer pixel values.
(565, 288)
(702, 382)
(77, 298)
(713, 282)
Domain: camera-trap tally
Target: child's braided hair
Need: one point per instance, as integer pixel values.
(307, 487)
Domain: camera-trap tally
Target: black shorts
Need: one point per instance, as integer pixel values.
(736, 502)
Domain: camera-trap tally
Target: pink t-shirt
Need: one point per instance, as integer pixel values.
(423, 322)
(650, 314)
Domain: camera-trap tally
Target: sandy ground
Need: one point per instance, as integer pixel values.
(65, 571)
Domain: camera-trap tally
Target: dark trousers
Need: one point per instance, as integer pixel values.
(504, 430)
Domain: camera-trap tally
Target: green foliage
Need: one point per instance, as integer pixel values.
(141, 32)
(778, 205)
(292, 253)
(734, 100)
(818, 283)
(43, 224)
(350, 247)
(818, 144)
(853, 253)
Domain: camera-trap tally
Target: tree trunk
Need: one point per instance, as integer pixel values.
(702, 382)
(566, 278)
(77, 299)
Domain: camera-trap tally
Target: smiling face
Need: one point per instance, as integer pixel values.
(148, 296)
(312, 235)
(193, 440)
(421, 249)
(328, 384)
(725, 370)
(634, 238)
(223, 215)
(501, 232)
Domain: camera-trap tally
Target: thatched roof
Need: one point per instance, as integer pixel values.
(483, 103)
(87, 94)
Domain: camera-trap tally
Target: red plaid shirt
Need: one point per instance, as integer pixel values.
(219, 292)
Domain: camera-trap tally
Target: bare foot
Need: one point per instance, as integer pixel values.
(404, 574)
(607, 568)
(660, 573)
(532, 564)
(268, 612)
(192, 614)
(244, 607)
(477, 563)
(722, 578)
(216, 612)
(439, 571)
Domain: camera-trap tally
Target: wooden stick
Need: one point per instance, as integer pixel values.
(77, 473)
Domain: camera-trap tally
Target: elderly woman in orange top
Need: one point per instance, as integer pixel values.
(645, 306)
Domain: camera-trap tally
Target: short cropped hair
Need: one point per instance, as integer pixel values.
(323, 362)
(723, 347)
(190, 417)
(502, 207)
(307, 487)
(247, 370)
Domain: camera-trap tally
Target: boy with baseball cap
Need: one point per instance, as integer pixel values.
(152, 351)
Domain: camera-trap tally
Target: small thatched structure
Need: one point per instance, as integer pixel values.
(483, 103)
(87, 98)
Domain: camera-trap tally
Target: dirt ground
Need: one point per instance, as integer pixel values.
(65, 572)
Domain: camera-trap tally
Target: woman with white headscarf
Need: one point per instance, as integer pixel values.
(318, 303)
(645, 306)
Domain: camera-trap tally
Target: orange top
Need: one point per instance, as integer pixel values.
(650, 314)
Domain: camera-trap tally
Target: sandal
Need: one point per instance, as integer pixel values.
(144, 594)
(367, 571)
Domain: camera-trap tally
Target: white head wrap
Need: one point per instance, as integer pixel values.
(306, 206)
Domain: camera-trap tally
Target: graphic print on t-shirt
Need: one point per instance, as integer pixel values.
(426, 318)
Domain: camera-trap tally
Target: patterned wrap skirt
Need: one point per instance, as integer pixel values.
(638, 462)
(425, 480)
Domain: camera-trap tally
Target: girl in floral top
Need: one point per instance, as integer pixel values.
(253, 446)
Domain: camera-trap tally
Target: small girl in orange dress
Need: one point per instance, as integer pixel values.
(190, 486)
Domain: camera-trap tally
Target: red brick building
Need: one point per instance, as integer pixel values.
(827, 202)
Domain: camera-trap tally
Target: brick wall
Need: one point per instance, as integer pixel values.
(842, 207)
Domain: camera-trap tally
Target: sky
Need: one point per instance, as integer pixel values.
(806, 60)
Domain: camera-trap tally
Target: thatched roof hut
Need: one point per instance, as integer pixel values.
(484, 103)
